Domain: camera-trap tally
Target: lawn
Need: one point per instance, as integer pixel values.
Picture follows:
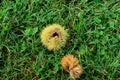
(94, 38)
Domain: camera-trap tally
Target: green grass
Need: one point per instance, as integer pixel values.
(94, 38)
